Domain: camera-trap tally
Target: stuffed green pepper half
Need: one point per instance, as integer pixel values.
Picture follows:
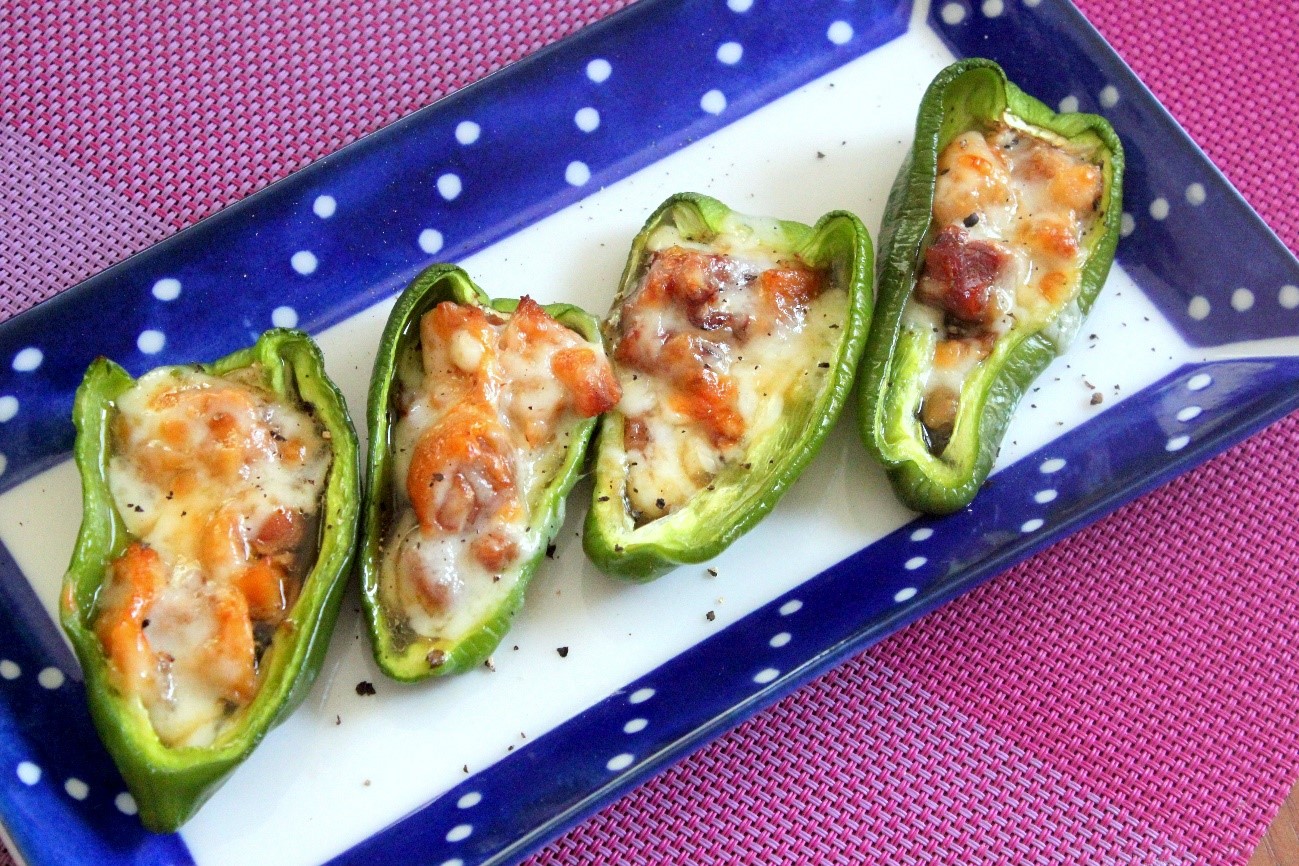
(998, 235)
(735, 340)
(480, 413)
(220, 506)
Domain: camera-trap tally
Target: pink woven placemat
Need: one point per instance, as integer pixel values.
(1130, 695)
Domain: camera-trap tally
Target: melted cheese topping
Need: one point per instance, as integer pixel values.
(220, 483)
(486, 405)
(710, 348)
(1012, 211)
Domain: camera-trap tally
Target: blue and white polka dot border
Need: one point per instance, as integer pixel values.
(1237, 282)
(450, 180)
(301, 243)
(913, 570)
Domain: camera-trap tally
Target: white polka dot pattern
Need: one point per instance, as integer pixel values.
(324, 206)
(284, 317)
(304, 262)
(730, 53)
(620, 762)
(28, 360)
(599, 70)
(151, 342)
(577, 174)
(840, 33)
(449, 186)
(467, 132)
(587, 119)
(166, 289)
(430, 241)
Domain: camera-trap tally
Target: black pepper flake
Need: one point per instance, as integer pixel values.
(711, 615)
(145, 623)
(820, 155)
(496, 578)
(661, 503)
(169, 494)
(712, 572)
(436, 658)
(603, 499)
(364, 688)
(438, 476)
(490, 664)
(617, 548)
(516, 647)
(465, 768)
(824, 365)
(338, 720)
(971, 221)
(550, 551)
(1097, 398)
(563, 651)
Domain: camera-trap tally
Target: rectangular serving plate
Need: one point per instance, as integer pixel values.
(815, 114)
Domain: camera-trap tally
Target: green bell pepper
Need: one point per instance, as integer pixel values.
(972, 94)
(170, 783)
(402, 651)
(744, 489)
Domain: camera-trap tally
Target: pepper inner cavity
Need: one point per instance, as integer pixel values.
(1011, 214)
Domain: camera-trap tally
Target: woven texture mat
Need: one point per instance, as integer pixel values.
(1130, 695)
